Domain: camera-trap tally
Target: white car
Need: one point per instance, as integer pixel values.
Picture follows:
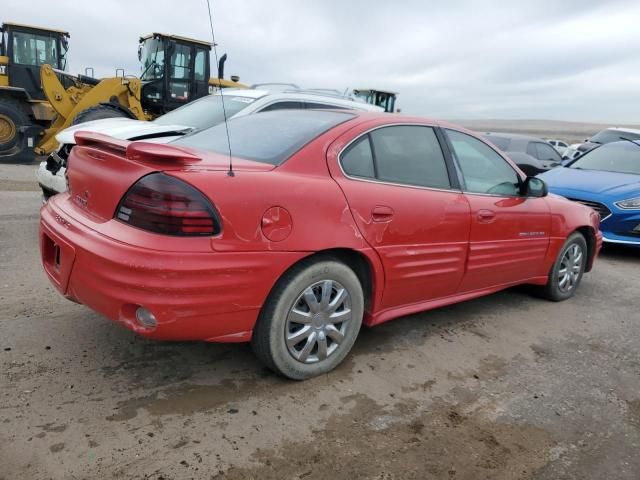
(198, 115)
(559, 145)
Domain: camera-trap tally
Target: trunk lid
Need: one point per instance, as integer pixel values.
(102, 169)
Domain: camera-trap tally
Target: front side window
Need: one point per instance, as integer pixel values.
(33, 49)
(483, 170)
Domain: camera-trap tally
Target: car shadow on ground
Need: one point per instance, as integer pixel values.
(621, 252)
(147, 364)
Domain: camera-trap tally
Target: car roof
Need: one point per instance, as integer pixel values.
(302, 95)
(622, 129)
(513, 136)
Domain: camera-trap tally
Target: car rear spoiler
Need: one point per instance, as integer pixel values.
(142, 152)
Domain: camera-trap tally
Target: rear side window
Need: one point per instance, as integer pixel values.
(547, 152)
(323, 106)
(269, 137)
(357, 159)
(283, 106)
(409, 155)
(532, 150)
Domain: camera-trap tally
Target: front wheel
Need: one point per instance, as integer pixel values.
(567, 271)
(310, 320)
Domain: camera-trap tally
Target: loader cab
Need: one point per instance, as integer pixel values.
(386, 100)
(24, 49)
(175, 71)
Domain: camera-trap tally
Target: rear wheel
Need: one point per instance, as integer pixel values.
(567, 271)
(310, 320)
(99, 112)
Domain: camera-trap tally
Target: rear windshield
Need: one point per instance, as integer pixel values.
(268, 137)
(205, 112)
(621, 157)
(607, 136)
(501, 142)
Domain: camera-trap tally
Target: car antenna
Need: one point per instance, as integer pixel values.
(224, 110)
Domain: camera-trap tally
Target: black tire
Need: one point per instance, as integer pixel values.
(99, 112)
(274, 323)
(12, 117)
(554, 290)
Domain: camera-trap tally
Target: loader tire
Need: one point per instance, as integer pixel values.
(12, 133)
(99, 112)
(11, 119)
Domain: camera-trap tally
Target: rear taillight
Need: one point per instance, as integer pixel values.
(162, 204)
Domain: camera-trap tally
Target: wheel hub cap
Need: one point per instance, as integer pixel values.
(317, 322)
(7, 129)
(570, 268)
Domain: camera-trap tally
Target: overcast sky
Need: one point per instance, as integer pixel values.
(544, 59)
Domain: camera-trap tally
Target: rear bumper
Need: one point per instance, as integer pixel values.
(209, 296)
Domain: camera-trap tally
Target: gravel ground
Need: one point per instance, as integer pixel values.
(504, 387)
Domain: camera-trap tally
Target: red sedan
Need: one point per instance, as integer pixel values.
(318, 222)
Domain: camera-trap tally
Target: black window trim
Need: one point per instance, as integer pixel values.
(282, 100)
(459, 170)
(451, 168)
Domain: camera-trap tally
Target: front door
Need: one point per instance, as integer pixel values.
(509, 232)
(406, 204)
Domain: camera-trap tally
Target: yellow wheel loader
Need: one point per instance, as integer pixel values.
(381, 98)
(175, 71)
(24, 109)
(38, 98)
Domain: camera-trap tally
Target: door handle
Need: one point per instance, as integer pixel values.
(381, 213)
(486, 216)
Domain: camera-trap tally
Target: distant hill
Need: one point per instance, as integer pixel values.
(573, 132)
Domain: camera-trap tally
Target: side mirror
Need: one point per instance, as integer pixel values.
(534, 187)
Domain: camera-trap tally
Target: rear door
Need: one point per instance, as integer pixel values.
(406, 202)
(509, 233)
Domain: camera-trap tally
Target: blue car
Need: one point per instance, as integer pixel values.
(606, 179)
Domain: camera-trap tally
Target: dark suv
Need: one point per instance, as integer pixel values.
(533, 155)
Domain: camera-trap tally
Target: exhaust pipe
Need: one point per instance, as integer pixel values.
(221, 62)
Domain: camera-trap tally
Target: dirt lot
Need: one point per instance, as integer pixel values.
(503, 387)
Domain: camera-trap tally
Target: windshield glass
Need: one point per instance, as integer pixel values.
(268, 137)
(621, 157)
(33, 49)
(205, 112)
(152, 59)
(607, 136)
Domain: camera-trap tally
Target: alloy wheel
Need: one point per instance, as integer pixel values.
(570, 268)
(317, 322)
